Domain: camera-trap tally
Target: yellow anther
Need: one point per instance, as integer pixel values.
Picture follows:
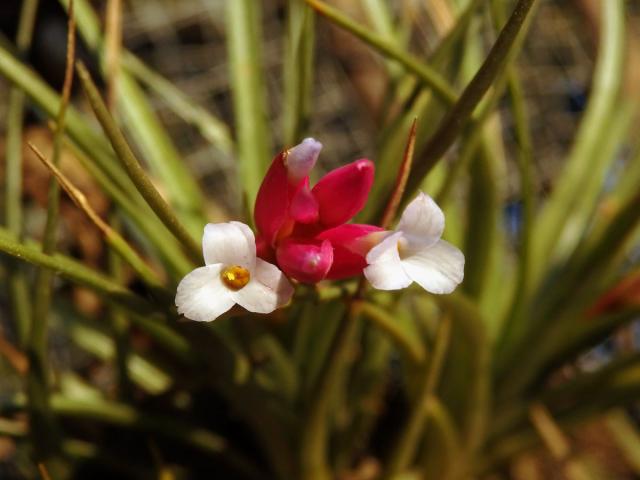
(235, 277)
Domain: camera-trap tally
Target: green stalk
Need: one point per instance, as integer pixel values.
(404, 449)
(133, 168)
(19, 292)
(298, 70)
(504, 48)
(249, 93)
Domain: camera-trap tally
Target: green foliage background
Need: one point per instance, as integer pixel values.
(407, 384)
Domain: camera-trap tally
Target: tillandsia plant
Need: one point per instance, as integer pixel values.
(339, 330)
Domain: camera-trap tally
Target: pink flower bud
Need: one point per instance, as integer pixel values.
(306, 261)
(342, 192)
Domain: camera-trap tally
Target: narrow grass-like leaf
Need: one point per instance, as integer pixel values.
(113, 238)
(298, 70)
(135, 171)
(45, 432)
(77, 126)
(145, 128)
(74, 271)
(147, 375)
(423, 72)
(402, 176)
(579, 166)
(13, 175)
(153, 230)
(210, 127)
(393, 329)
(504, 48)
(244, 45)
(557, 443)
(404, 449)
(625, 435)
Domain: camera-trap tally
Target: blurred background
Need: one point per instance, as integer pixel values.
(184, 41)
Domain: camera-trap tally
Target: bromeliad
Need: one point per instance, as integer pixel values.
(303, 234)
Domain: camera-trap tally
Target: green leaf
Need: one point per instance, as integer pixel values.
(244, 41)
(298, 70)
(579, 167)
(74, 271)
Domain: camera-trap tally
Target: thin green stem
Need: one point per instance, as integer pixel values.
(298, 70)
(19, 292)
(133, 168)
(141, 121)
(244, 45)
(45, 434)
(404, 448)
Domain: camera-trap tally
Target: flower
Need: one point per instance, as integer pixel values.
(414, 252)
(232, 275)
(302, 228)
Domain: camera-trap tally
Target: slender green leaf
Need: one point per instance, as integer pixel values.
(298, 70)
(570, 185)
(133, 168)
(244, 42)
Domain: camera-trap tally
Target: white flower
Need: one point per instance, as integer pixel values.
(414, 252)
(232, 275)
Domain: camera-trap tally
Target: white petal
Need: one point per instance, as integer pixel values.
(267, 290)
(385, 270)
(230, 243)
(437, 269)
(422, 223)
(202, 296)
